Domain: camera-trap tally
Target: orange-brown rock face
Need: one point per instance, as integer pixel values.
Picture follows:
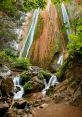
(41, 52)
(78, 1)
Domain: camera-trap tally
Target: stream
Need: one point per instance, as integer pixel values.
(19, 91)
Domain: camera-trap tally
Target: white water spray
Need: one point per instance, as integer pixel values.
(17, 94)
(66, 19)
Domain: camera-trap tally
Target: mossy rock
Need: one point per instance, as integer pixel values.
(25, 77)
(44, 75)
(28, 87)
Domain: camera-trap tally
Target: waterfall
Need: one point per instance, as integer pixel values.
(66, 20)
(17, 93)
(29, 39)
(60, 60)
(53, 81)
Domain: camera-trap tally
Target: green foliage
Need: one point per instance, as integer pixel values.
(44, 74)
(50, 91)
(39, 28)
(59, 1)
(22, 63)
(4, 58)
(25, 77)
(8, 6)
(74, 82)
(75, 47)
(40, 76)
(28, 87)
(12, 6)
(10, 52)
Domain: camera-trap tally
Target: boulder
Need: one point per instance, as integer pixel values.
(54, 67)
(34, 70)
(3, 108)
(43, 105)
(4, 71)
(6, 87)
(21, 104)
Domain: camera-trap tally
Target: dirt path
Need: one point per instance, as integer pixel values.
(59, 110)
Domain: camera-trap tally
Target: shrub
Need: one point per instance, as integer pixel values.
(5, 59)
(44, 74)
(40, 76)
(22, 63)
(25, 77)
(28, 87)
(10, 52)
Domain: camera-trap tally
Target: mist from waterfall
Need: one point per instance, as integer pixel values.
(29, 39)
(18, 89)
(66, 20)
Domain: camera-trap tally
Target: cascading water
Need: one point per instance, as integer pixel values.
(25, 50)
(53, 81)
(66, 20)
(17, 94)
(60, 60)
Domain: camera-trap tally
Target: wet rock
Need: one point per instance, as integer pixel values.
(4, 71)
(35, 79)
(34, 70)
(3, 108)
(54, 67)
(21, 104)
(7, 87)
(30, 115)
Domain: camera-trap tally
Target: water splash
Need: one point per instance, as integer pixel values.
(17, 94)
(66, 20)
(25, 50)
(53, 81)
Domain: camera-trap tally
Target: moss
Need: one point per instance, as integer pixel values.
(28, 87)
(25, 77)
(39, 28)
(74, 82)
(50, 91)
(22, 63)
(44, 74)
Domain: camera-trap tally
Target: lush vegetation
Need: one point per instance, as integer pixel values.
(28, 87)
(21, 63)
(25, 77)
(44, 75)
(75, 47)
(11, 7)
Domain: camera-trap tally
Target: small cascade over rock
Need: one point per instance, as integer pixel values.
(18, 89)
(60, 60)
(66, 19)
(52, 81)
